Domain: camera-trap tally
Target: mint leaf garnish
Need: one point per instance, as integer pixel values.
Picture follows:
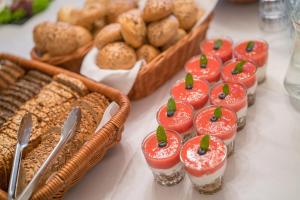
(226, 89)
(217, 44)
(239, 67)
(204, 144)
(171, 107)
(218, 113)
(250, 46)
(161, 136)
(203, 61)
(189, 81)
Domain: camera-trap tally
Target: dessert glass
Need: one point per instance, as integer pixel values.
(181, 121)
(247, 77)
(164, 161)
(197, 96)
(211, 73)
(224, 128)
(235, 100)
(205, 171)
(258, 56)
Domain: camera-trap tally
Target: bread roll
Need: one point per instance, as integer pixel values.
(155, 10)
(98, 26)
(110, 33)
(180, 34)
(56, 38)
(116, 55)
(117, 7)
(133, 28)
(186, 12)
(161, 32)
(83, 36)
(147, 52)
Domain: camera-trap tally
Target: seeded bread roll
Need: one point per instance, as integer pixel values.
(117, 7)
(161, 32)
(116, 55)
(133, 28)
(83, 36)
(147, 52)
(180, 34)
(155, 10)
(110, 33)
(84, 17)
(186, 12)
(99, 25)
(58, 38)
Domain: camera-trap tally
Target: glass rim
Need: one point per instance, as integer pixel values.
(183, 80)
(214, 106)
(236, 60)
(239, 42)
(208, 56)
(227, 82)
(176, 101)
(153, 133)
(196, 137)
(228, 38)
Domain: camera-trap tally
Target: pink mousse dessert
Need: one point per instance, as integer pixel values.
(194, 92)
(161, 149)
(217, 121)
(177, 116)
(243, 72)
(219, 47)
(204, 67)
(204, 159)
(255, 51)
(233, 96)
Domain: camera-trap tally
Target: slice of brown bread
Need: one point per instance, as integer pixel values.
(91, 114)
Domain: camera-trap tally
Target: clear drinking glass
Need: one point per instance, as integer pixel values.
(273, 15)
(292, 80)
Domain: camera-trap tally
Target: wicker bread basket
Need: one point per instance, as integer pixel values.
(92, 151)
(70, 62)
(168, 63)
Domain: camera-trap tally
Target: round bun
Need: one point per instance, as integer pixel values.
(180, 34)
(110, 33)
(147, 52)
(186, 12)
(155, 10)
(58, 38)
(117, 7)
(116, 55)
(161, 32)
(82, 17)
(39, 36)
(83, 36)
(99, 25)
(133, 28)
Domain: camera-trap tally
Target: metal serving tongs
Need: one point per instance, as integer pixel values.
(22, 142)
(68, 131)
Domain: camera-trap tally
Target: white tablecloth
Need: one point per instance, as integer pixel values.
(266, 164)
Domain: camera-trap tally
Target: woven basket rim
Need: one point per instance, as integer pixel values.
(116, 122)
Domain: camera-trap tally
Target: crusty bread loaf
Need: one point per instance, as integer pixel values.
(147, 52)
(157, 9)
(117, 7)
(92, 107)
(46, 108)
(9, 73)
(110, 33)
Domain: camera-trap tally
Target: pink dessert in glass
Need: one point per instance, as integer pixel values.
(233, 96)
(163, 157)
(205, 167)
(218, 47)
(179, 119)
(255, 51)
(244, 72)
(204, 67)
(194, 92)
(217, 121)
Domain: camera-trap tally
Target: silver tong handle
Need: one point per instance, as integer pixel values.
(15, 173)
(67, 132)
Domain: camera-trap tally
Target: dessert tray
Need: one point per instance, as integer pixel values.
(85, 150)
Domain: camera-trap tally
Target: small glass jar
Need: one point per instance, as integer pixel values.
(164, 162)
